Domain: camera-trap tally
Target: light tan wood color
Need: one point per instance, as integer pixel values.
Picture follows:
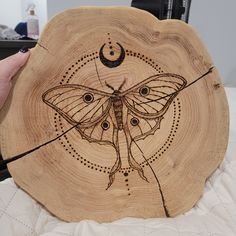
(137, 110)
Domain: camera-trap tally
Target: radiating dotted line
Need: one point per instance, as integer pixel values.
(110, 45)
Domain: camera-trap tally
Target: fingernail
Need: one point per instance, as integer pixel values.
(24, 50)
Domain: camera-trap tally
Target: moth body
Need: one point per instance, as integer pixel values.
(117, 105)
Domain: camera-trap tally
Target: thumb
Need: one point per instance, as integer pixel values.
(10, 65)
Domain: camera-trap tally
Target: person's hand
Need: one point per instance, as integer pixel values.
(8, 68)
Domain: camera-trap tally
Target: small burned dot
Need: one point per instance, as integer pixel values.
(105, 125)
(126, 174)
(88, 97)
(144, 91)
(134, 121)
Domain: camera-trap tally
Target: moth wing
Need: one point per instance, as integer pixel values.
(101, 132)
(152, 97)
(71, 103)
(143, 127)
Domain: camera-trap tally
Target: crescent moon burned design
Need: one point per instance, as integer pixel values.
(109, 63)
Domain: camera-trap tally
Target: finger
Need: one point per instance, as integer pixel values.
(5, 87)
(10, 65)
(8, 68)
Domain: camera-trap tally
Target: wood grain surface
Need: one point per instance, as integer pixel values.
(129, 112)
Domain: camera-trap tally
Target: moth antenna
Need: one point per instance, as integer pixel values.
(122, 84)
(109, 86)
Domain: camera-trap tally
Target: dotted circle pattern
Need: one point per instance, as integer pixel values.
(65, 142)
(145, 59)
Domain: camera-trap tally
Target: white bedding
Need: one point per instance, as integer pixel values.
(214, 214)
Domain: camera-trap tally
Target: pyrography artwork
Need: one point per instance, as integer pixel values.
(136, 112)
(128, 120)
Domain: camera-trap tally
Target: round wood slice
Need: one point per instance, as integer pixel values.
(132, 108)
